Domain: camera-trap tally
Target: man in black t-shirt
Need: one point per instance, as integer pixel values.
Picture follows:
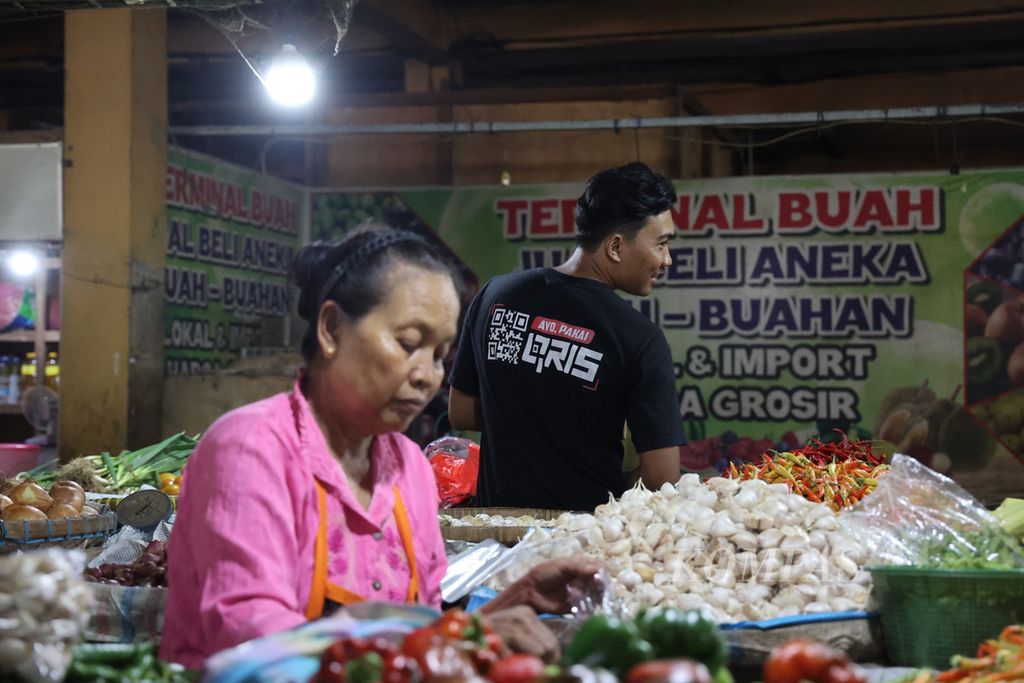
(552, 363)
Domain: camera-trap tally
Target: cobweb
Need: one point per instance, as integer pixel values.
(257, 30)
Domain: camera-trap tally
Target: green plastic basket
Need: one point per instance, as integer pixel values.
(929, 615)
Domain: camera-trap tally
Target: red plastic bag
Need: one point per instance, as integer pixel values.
(456, 462)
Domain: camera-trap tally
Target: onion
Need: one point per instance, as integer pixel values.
(4, 502)
(61, 511)
(69, 495)
(31, 493)
(22, 513)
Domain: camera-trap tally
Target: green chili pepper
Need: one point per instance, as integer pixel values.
(93, 672)
(475, 633)
(141, 670)
(106, 653)
(608, 643)
(678, 634)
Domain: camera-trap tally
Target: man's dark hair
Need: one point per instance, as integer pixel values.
(620, 200)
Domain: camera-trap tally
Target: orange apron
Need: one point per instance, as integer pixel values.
(323, 590)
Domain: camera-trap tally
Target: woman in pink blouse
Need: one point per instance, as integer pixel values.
(313, 499)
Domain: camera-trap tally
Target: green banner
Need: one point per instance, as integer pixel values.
(797, 306)
(232, 234)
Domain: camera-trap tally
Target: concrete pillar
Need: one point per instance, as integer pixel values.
(115, 231)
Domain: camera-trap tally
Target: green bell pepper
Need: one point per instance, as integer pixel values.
(676, 634)
(608, 643)
(365, 669)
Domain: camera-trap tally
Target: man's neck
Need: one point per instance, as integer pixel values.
(582, 264)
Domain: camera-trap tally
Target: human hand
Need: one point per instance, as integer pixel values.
(546, 587)
(522, 631)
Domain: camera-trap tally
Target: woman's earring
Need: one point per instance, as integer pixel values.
(330, 351)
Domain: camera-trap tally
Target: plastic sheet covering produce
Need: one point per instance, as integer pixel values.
(916, 516)
(470, 568)
(485, 562)
(293, 656)
(126, 614)
(44, 605)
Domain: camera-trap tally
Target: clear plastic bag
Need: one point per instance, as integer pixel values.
(917, 516)
(44, 607)
(456, 462)
(129, 543)
(471, 568)
(585, 599)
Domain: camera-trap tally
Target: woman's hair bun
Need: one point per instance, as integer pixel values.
(309, 269)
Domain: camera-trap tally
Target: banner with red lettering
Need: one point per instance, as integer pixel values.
(232, 234)
(886, 306)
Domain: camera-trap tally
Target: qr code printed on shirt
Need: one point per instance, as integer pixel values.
(505, 335)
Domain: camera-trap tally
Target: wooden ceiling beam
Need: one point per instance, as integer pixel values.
(416, 27)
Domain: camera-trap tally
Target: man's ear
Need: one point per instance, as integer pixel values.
(328, 329)
(613, 247)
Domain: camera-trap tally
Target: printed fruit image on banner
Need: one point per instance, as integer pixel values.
(798, 306)
(335, 214)
(994, 331)
(939, 432)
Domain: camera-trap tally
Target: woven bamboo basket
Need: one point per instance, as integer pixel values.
(508, 535)
(72, 532)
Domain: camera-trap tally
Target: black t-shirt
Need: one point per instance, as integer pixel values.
(559, 364)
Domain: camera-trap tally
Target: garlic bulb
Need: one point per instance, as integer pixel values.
(740, 550)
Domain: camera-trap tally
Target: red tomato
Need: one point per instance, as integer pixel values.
(436, 656)
(517, 669)
(352, 648)
(330, 672)
(452, 624)
(670, 671)
(851, 673)
(495, 644)
(447, 661)
(419, 641)
(800, 660)
(399, 669)
(483, 660)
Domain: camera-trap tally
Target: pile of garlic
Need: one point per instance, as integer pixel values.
(44, 608)
(484, 519)
(741, 550)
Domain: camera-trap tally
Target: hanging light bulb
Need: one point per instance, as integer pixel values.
(506, 178)
(290, 80)
(22, 262)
